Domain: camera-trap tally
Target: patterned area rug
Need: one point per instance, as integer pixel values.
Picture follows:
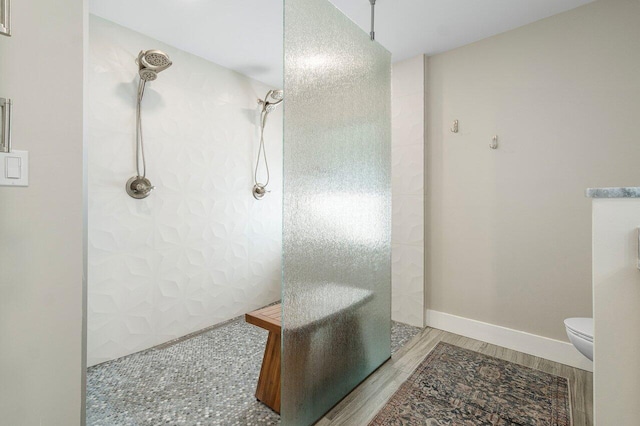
(456, 386)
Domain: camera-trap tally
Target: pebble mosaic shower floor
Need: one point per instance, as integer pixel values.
(208, 379)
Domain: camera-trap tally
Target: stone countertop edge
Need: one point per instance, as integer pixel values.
(624, 192)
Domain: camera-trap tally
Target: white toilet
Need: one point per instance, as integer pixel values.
(580, 332)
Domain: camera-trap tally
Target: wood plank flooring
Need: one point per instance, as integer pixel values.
(361, 405)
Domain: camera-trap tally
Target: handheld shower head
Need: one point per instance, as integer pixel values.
(147, 74)
(151, 62)
(277, 97)
(269, 104)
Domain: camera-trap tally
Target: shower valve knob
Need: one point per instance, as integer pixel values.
(139, 187)
(259, 191)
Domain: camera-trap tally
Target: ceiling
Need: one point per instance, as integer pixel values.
(246, 35)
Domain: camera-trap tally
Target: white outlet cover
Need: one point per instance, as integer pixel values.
(23, 157)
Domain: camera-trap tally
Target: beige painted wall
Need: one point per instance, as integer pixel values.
(41, 360)
(509, 231)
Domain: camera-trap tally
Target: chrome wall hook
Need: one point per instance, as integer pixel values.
(454, 129)
(494, 143)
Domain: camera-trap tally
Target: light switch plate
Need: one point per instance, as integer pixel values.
(18, 162)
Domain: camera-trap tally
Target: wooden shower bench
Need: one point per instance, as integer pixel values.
(268, 389)
(343, 304)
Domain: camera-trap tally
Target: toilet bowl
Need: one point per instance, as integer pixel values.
(580, 332)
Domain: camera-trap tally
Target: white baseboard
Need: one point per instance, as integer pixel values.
(543, 347)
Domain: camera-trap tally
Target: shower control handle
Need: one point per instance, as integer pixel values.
(259, 191)
(139, 187)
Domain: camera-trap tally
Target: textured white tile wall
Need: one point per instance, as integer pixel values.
(200, 249)
(408, 122)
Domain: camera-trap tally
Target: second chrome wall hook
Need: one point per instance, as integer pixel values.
(454, 129)
(494, 142)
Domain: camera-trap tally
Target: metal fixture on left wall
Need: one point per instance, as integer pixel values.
(5, 127)
(150, 63)
(5, 17)
(372, 34)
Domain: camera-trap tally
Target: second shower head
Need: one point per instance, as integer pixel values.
(151, 62)
(278, 95)
(271, 100)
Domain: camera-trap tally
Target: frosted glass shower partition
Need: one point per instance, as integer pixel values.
(337, 209)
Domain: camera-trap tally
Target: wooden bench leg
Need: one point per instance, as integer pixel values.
(268, 390)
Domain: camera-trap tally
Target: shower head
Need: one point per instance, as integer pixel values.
(154, 59)
(276, 97)
(147, 74)
(151, 62)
